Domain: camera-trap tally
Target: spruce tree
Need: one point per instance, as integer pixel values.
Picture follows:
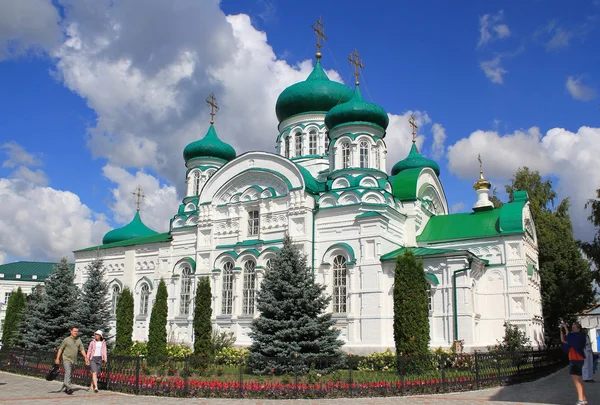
(202, 322)
(31, 314)
(157, 333)
(15, 311)
(411, 306)
(292, 319)
(93, 309)
(124, 323)
(51, 318)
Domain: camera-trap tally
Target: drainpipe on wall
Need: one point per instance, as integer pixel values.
(454, 308)
(314, 214)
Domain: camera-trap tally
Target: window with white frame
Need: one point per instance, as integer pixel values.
(7, 296)
(429, 297)
(269, 265)
(327, 142)
(185, 295)
(253, 222)
(249, 287)
(116, 291)
(377, 158)
(345, 155)
(227, 299)
(339, 284)
(196, 183)
(312, 142)
(298, 138)
(288, 146)
(364, 154)
(144, 299)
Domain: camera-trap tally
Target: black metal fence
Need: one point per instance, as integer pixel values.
(257, 377)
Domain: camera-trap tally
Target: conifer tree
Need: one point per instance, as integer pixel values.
(125, 315)
(292, 319)
(157, 333)
(202, 322)
(93, 308)
(51, 318)
(15, 311)
(31, 314)
(411, 306)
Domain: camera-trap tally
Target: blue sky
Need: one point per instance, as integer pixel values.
(98, 98)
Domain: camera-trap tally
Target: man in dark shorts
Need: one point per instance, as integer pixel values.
(575, 342)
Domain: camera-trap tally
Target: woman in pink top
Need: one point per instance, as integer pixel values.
(96, 355)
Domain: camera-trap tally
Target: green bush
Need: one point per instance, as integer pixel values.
(179, 350)
(378, 361)
(231, 356)
(221, 340)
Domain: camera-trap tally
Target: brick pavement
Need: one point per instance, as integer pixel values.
(553, 390)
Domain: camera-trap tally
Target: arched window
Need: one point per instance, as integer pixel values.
(298, 144)
(377, 158)
(227, 302)
(339, 284)
(430, 297)
(345, 155)
(327, 143)
(288, 146)
(249, 287)
(269, 265)
(364, 154)
(116, 291)
(312, 142)
(186, 291)
(196, 183)
(144, 299)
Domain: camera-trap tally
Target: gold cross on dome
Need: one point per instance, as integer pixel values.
(320, 33)
(414, 126)
(212, 102)
(480, 165)
(354, 59)
(139, 194)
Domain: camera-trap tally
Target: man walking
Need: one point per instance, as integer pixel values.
(575, 343)
(69, 348)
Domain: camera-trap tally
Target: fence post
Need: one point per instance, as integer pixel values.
(350, 367)
(444, 386)
(108, 373)
(499, 366)
(186, 371)
(400, 361)
(241, 380)
(137, 375)
(296, 374)
(476, 369)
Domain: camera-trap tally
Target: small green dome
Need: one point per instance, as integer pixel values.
(357, 110)
(316, 93)
(415, 160)
(134, 229)
(209, 146)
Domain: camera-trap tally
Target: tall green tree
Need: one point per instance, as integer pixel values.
(33, 305)
(15, 311)
(202, 322)
(411, 306)
(292, 319)
(592, 249)
(157, 333)
(93, 308)
(566, 279)
(49, 321)
(125, 314)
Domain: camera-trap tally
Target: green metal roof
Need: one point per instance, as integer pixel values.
(134, 229)
(27, 270)
(209, 146)
(418, 251)
(482, 224)
(357, 110)
(316, 94)
(415, 160)
(433, 278)
(404, 184)
(368, 214)
(312, 185)
(158, 238)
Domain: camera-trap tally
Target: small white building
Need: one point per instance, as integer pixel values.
(326, 185)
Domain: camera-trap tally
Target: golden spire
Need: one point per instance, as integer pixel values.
(139, 194)
(212, 102)
(482, 182)
(354, 59)
(320, 33)
(414, 126)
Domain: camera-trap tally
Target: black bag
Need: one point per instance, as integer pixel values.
(53, 373)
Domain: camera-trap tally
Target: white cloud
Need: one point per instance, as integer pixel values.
(493, 70)
(568, 156)
(578, 90)
(27, 25)
(491, 29)
(457, 207)
(439, 139)
(555, 37)
(17, 156)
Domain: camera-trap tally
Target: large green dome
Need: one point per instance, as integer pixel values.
(415, 160)
(316, 93)
(357, 110)
(209, 146)
(134, 229)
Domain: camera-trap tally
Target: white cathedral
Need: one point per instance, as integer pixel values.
(326, 185)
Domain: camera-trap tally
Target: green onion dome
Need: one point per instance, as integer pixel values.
(209, 146)
(316, 94)
(134, 229)
(415, 160)
(357, 110)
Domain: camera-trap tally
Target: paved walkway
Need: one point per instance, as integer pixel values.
(553, 390)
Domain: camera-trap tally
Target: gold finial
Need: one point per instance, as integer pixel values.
(212, 102)
(482, 183)
(414, 126)
(354, 59)
(320, 33)
(480, 166)
(139, 194)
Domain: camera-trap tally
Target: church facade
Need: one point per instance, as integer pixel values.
(326, 185)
